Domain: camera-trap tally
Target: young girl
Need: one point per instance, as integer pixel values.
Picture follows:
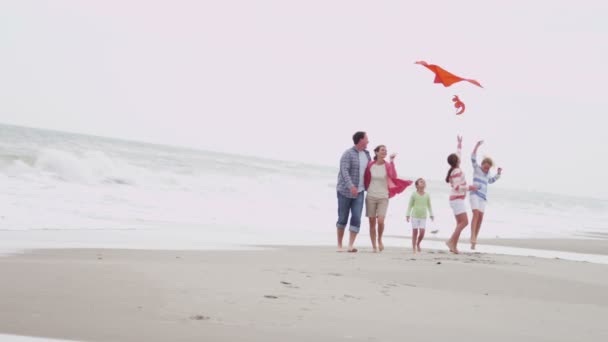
(459, 186)
(481, 178)
(420, 204)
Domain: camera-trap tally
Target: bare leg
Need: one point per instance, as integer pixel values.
(414, 239)
(461, 222)
(340, 237)
(351, 241)
(479, 220)
(420, 237)
(372, 232)
(380, 232)
(474, 223)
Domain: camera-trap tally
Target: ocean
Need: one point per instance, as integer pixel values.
(64, 190)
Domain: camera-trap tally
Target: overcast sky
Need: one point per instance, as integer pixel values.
(294, 79)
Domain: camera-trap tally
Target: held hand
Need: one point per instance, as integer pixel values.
(473, 188)
(459, 137)
(500, 170)
(392, 156)
(479, 143)
(354, 191)
(407, 218)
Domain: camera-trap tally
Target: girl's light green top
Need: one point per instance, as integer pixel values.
(419, 206)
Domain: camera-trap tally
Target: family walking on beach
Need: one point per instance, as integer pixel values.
(360, 173)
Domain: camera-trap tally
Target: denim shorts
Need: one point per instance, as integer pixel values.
(352, 206)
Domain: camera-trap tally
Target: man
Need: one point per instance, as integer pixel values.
(351, 188)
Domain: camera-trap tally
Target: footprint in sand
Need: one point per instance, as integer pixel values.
(199, 318)
(347, 296)
(289, 285)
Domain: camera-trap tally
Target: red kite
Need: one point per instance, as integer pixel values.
(444, 77)
(459, 105)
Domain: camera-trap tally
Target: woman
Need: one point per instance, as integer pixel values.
(381, 183)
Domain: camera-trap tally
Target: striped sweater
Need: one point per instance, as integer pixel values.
(481, 179)
(458, 183)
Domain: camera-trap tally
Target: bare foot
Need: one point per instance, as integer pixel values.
(419, 250)
(353, 250)
(473, 245)
(375, 250)
(340, 249)
(380, 246)
(451, 247)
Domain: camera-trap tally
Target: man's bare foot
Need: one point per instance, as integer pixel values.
(380, 246)
(414, 251)
(419, 250)
(340, 249)
(375, 250)
(473, 245)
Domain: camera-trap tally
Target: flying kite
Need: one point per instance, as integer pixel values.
(459, 105)
(444, 77)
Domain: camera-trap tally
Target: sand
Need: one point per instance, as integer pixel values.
(300, 294)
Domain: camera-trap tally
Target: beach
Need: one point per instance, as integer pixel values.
(281, 293)
(110, 240)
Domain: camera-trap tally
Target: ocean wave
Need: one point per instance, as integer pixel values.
(89, 167)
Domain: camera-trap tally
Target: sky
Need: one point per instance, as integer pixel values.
(293, 80)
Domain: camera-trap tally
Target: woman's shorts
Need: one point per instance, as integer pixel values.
(458, 206)
(375, 207)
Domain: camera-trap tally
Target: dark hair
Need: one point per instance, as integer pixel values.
(376, 151)
(358, 136)
(417, 181)
(453, 161)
